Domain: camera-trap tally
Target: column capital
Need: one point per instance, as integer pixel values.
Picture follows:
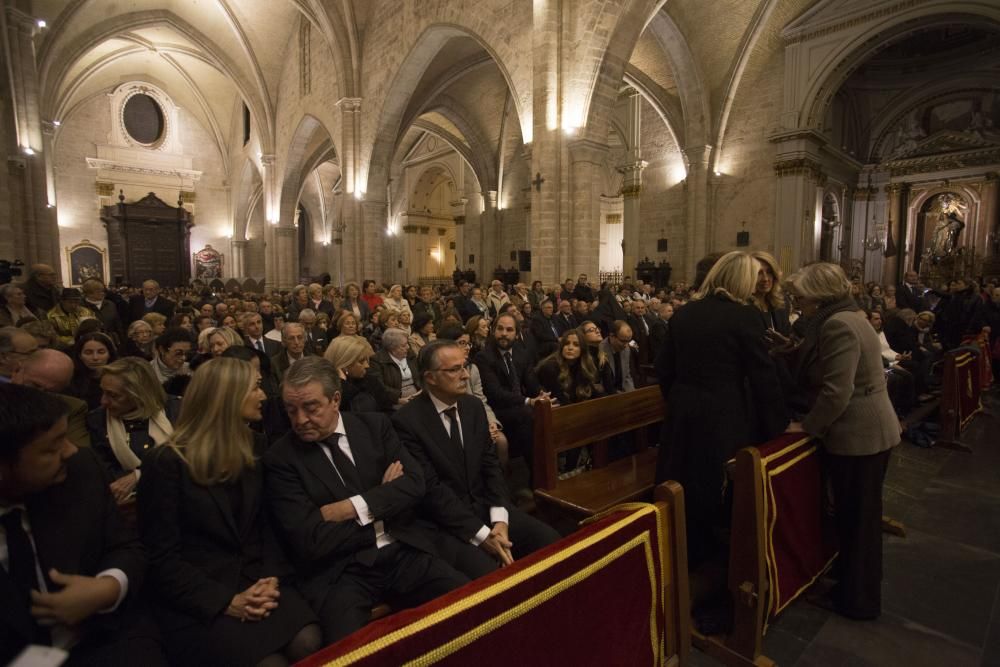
(698, 154)
(25, 22)
(268, 160)
(284, 231)
(240, 243)
(349, 104)
(632, 167)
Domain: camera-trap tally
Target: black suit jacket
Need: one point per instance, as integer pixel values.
(137, 307)
(462, 486)
(200, 553)
(280, 363)
(498, 385)
(546, 340)
(910, 298)
(271, 347)
(565, 322)
(299, 480)
(77, 530)
(646, 353)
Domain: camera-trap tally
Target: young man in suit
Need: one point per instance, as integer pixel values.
(253, 327)
(510, 383)
(150, 301)
(70, 569)
(447, 431)
(343, 491)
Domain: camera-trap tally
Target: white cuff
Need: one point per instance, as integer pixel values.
(122, 580)
(480, 536)
(499, 515)
(361, 507)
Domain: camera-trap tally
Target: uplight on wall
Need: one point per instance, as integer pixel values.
(27, 150)
(359, 195)
(41, 24)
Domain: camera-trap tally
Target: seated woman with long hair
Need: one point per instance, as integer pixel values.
(478, 328)
(569, 374)
(215, 564)
(351, 354)
(135, 416)
(91, 353)
(591, 338)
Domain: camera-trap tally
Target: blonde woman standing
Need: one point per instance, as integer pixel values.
(720, 383)
(215, 564)
(351, 356)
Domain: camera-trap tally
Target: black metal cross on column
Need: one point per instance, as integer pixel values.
(538, 181)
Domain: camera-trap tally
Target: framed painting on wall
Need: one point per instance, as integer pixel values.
(208, 264)
(86, 260)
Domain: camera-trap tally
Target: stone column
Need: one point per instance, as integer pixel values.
(546, 242)
(988, 230)
(584, 232)
(631, 197)
(35, 231)
(237, 266)
(272, 214)
(798, 203)
(899, 199)
(372, 238)
(489, 222)
(696, 241)
(284, 237)
(458, 215)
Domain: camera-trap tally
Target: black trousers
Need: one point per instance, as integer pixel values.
(519, 427)
(856, 484)
(527, 534)
(402, 576)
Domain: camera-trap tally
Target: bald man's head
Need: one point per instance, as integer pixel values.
(48, 370)
(16, 345)
(43, 274)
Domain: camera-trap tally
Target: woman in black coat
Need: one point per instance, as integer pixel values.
(569, 374)
(215, 566)
(722, 394)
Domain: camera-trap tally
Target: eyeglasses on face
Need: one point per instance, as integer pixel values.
(454, 370)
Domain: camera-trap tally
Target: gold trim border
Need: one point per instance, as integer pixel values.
(491, 591)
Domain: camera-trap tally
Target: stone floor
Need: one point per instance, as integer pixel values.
(941, 588)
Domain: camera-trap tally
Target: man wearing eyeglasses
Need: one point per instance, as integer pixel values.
(447, 431)
(618, 348)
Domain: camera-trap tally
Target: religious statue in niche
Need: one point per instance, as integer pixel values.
(86, 261)
(948, 215)
(208, 264)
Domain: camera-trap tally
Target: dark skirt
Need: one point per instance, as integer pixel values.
(231, 642)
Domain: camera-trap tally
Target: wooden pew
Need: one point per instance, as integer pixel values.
(764, 579)
(593, 423)
(961, 388)
(558, 606)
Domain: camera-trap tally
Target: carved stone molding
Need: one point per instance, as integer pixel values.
(800, 167)
(112, 165)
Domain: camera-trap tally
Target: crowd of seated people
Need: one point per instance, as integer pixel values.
(286, 461)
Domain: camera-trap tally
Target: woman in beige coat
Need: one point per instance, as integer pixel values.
(840, 367)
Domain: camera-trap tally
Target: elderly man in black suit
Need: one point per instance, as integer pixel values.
(447, 431)
(544, 330)
(510, 383)
(565, 319)
(150, 301)
(642, 332)
(343, 489)
(70, 569)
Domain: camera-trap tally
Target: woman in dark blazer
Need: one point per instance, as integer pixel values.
(135, 416)
(840, 369)
(569, 374)
(215, 566)
(722, 391)
(768, 297)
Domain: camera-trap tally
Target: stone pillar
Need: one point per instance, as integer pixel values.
(899, 199)
(284, 237)
(584, 230)
(350, 108)
(988, 230)
(372, 238)
(238, 260)
(696, 243)
(489, 223)
(632, 183)
(458, 215)
(33, 222)
(548, 254)
(798, 203)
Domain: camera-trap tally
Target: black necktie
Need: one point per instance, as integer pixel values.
(21, 567)
(348, 472)
(618, 371)
(260, 344)
(508, 360)
(20, 555)
(456, 434)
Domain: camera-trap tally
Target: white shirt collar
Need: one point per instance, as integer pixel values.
(440, 405)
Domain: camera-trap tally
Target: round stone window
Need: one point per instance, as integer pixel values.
(143, 119)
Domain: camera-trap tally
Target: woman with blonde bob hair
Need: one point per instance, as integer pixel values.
(723, 392)
(839, 369)
(221, 339)
(351, 354)
(213, 554)
(134, 417)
